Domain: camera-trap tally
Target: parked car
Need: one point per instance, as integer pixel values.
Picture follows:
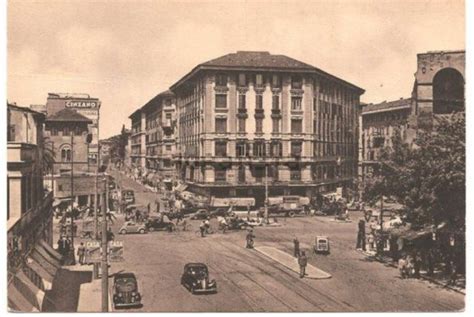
(321, 244)
(126, 291)
(196, 279)
(201, 214)
(128, 196)
(133, 227)
(154, 224)
(220, 212)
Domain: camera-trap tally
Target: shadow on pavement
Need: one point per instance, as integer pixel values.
(64, 295)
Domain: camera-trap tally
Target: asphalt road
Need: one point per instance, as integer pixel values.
(249, 281)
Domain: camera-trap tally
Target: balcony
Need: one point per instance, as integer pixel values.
(35, 216)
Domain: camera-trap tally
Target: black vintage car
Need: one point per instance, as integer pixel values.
(196, 279)
(156, 224)
(201, 214)
(126, 291)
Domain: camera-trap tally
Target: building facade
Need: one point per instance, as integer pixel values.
(160, 141)
(251, 117)
(137, 139)
(378, 125)
(438, 90)
(83, 104)
(29, 210)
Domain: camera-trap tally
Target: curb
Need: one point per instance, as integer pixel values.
(426, 278)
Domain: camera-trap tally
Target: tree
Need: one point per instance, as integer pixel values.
(427, 177)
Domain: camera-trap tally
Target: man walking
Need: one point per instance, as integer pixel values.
(296, 243)
(81, 252)
(302, 261)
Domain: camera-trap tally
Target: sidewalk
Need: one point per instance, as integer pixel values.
(440, 280)
(290, 262)
(90, 297)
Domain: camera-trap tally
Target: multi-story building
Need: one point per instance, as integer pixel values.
(137, 139)
(160, 142)
(249, 112)
(31, 259)
(83, 104)
(378, 125)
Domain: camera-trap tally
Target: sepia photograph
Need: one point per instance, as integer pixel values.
(235, 156)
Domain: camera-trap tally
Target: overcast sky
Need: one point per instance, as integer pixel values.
(126, 52)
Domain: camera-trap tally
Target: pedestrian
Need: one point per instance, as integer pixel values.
(417, 264)
(61, 246)
(81, 252)
(249, 239)
(202, 228)
(453, 273)
(402, 266)
(361, 236)
(296, 244)
(111, 217)
(148, 208)
(184, 224)
(248, 212)
(110, 235)
(302, 262)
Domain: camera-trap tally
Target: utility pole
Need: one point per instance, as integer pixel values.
(72, 253)
(266, 193)
(105, 264)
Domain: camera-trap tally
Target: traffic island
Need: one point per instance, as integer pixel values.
(291, 262)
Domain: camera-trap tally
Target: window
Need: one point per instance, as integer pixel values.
(65, 154)
(221, 125)
(259, 101)
(273, 172)
(221, 101)
(240, 149)
(221, 148)
(259, 149)
(276, 82)
(221, 80)
(241, 123)
(295, 173)
(258, 125)
(296, 148)
(168, 147)
(66, 131)
(242, 80)
(378, 142)
(259, 80)
(276, 150)
(220, 173)
(296, 125)
(296, 103)
(242, 101)
(276, 102)
(276, 125)
(315, 126)
(168, 116)
(241, 174)
(296, 82)
(259, 172)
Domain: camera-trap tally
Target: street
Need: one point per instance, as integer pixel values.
(249, 281)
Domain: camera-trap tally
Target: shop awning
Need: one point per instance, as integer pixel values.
(234, 201)
(39, 293)
(18, 301)
(43, 262)
(42, 272)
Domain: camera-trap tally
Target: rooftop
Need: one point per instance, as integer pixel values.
(401, 103)
(260, 60)
(67, 95)
(67, 115)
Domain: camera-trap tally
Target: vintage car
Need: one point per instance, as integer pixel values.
(321, 244)
(201, 214)
(155, 224)
(126, 291)
(196, 279)
(128, 196)
(133, 227)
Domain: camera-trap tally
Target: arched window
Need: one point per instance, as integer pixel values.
(448, 91)
(66, 154)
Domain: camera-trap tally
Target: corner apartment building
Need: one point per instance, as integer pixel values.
(245, 111)
(29, 212)
(153, 139)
